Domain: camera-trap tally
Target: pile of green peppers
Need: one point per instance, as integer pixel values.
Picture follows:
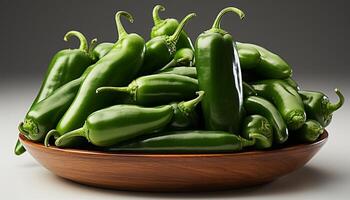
(169, 95)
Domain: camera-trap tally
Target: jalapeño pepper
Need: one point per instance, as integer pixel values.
(318, 106)
(168, 27)
(183, 57)
(181, 70)
(117, 68)
(259, 129)
(102, 49)
(309, 132)
(219, 76)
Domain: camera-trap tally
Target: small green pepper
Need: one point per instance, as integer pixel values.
(292, 83)
(161, 50)
(181, 70)
(309, 132)
(262, 62)
(102, 49)
(184, 57)
(259, 129)
(285, 98)
(219, 76)
(119, 123)
(257, 105)
(117, 68)
(168, 27)
(188, 142)
(157, 89)
(318, 106)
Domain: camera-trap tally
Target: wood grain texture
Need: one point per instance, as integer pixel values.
(173, 172)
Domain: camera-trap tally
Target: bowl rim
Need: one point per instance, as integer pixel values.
(302, 146)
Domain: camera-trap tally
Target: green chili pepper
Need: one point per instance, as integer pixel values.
(102, 49)
(257, 105)
(116, 124)
(292, 83)
(309, 132)
(45, 115)
(248, 90)
(262, 62)
(168, 27)
(117, 68)
(157, 89)
(182, 70)
(65, 66)
(188, 142)
(318, 106)
(182, 57)
(219, 76)
(259, 129)
(161, 50)
(285, 98)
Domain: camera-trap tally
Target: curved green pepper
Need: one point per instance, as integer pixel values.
(117, 68)
(285, 98)
(292, 83)
(161, 50)
(65, 66)
(188, 142)
(45, 115)
(309, 132)
(102, 49)
(259, 129)
(248, 90)
(318, 106)
(157, 89)
(181, 70)
(262, 62)
(119, 123)
(168, 27)
(184, 57)
(219, 76)
(257, 105)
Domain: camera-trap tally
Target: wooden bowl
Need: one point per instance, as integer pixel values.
(173, 172)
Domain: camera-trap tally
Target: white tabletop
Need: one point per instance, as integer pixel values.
(326, 176)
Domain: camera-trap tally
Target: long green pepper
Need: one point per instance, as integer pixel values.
(219, 76)
(117, 68)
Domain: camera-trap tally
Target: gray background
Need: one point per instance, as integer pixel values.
(311, 35)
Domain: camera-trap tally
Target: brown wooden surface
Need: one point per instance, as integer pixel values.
(173, 172)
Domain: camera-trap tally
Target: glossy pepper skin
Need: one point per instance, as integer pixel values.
(181, 70)
(161, 50)
(157, 89)
(182, 57)
(285, 98)
(292, 83)
(45, 115)
(260, 106)
(117, 68)
(119, 123)
(262, 62)
(219, 76)
(318, 106)
(309, 132)
(259, 129)
(66, 65)
(102, 49)
(168, 27)
(188, 142)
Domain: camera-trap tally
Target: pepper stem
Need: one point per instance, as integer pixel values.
(216, 24)
(75, 133)
(21, 129)
(113, 89)
(120, 28)
(188, 106)
(175, 36)
(49, 135)
(155, 14)
(172, 63)
(247, 143)
(83, 42)
(92, 46)
(333, 107)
